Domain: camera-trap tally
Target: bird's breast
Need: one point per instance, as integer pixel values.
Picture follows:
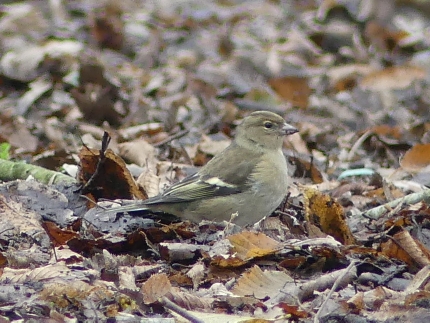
(271, 177)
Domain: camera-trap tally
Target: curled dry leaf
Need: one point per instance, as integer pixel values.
(420, 281)
(327, 214)
(113, 180)
(150, 183)
(407, 249)
(196, 273)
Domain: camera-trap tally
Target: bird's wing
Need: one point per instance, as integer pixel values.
(205, 184)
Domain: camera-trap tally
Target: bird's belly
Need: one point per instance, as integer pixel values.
(250, 207)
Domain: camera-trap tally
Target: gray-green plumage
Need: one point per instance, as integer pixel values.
(249, 177)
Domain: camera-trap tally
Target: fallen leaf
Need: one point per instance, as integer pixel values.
(155, 287)
(416, 158)
(293, 89)
(327, 214)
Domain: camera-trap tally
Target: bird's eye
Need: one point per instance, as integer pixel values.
(268, 125)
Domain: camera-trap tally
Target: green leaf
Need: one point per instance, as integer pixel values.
(4, 150)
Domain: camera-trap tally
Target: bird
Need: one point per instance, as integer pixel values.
(249, 178)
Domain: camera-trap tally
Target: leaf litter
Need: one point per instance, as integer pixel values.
(169, 82)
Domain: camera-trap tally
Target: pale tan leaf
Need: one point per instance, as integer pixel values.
(156, 286)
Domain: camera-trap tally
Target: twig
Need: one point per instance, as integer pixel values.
(167, 303)
(177, 135)
(413, 198)
(105, 143)
(358, 143)
(92, 201)
(333, 288)
(150, 244)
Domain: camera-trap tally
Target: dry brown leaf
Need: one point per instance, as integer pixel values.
(107, 26)
(151, 129)
(45, 273)
(305, 169)
(114, 179)
(345, 77)
(126, 278)
(392, 78)
(383, 130)
(294, 311)
(417, 298)
(242, 247)
(261, 284)
(356, 303)
(375, 298)
(190, 301)
(155, 287)
(96, 96)
(3, 261)
(416, 158)
(420, 281)
(16, 133)
(407, 249)
(58, 236)
(248, 245)
(327, 214)
(65, 294)
(383, 38)
(140, 152)
(64, 254)
(150, 182)
(196, 273)
(293, 89)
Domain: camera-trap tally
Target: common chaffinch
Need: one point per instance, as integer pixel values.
(249, 177)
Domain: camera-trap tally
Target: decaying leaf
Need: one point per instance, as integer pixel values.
(328, 215)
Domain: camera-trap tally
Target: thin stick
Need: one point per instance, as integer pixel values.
(105, 143)
(177, 135)
(358, 143)
(167, 303)
(334, 287)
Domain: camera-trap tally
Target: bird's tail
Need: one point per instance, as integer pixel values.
(127, 207)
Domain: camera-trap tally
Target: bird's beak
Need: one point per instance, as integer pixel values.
(288, 129)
